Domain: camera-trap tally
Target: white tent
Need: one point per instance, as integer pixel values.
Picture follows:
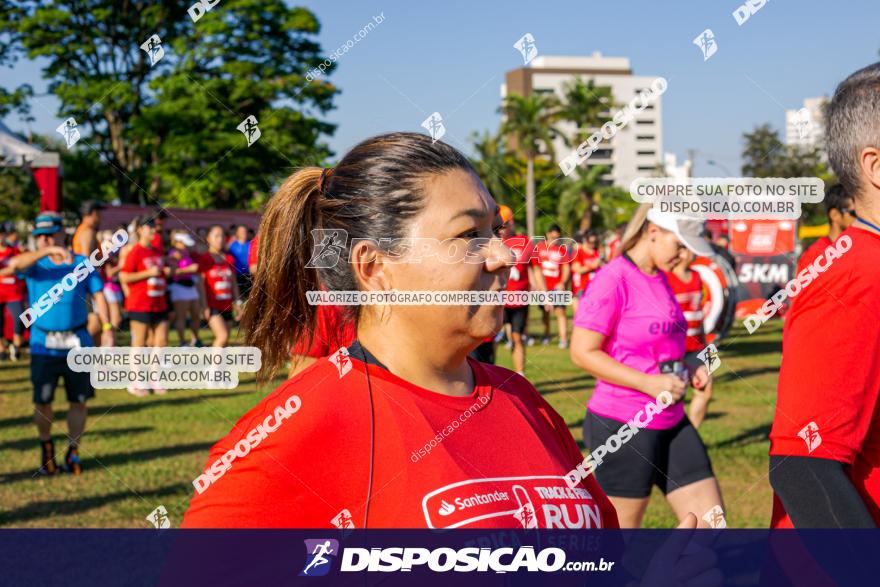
(14, 152)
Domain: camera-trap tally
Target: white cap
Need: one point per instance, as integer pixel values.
(688, 231)
(184, 238)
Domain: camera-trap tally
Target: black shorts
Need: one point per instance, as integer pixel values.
(227, 314)
(45, 370)
(485, 353)
(151, 318)
(15, 310)
(517, 318)
(669, 459)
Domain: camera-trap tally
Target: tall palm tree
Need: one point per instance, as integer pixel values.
(575, 210)
(529, 124)
(588, 106)
(491, 164)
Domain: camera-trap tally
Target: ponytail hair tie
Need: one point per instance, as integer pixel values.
(325, 175)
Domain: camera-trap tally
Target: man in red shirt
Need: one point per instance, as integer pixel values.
(555, 262)
(586, 261)
(525, 276)
(688, 289)
(840, 212)
(11, 298)
(825, 439)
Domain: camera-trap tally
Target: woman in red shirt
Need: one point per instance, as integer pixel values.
(219, 289)
(145, 274)
(401, 429)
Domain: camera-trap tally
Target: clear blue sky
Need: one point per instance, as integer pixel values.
(450, 56)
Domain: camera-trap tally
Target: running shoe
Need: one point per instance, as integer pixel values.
(545, 341)
(563, 344)
(509, 344)
(13, 353)
(530, 341)
(138, 391)
(48, 466)
(71, 461)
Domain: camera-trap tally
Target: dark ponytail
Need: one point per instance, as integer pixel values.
(371, 194)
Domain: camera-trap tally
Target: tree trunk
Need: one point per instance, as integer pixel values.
(530, 195)
(587, 218)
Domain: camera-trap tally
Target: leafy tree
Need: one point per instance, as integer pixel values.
(169, 130)
(587, 106)
(493, 164)
(528, 124)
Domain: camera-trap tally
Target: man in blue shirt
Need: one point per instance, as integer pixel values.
(59, 284)
(240, 249)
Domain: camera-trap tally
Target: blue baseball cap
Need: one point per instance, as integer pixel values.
(48, 223)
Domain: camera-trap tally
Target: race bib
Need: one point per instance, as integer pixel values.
(63, 340)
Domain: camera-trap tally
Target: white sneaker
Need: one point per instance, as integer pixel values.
(563, 344)
(545, 341)
(13, 353)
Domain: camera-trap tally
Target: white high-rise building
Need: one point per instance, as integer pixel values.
(805, 127)
(637, 148)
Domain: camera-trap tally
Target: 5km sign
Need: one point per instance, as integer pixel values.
(764, 252)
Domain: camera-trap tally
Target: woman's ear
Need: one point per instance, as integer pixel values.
(371, 268)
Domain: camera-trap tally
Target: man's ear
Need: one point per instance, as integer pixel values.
(371, 268)
(869, 162)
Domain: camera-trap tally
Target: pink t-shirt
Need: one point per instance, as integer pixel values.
(643, 325)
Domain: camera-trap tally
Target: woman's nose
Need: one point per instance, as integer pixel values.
(499, 257)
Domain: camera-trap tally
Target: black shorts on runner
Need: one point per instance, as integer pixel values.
(227, 314)
(45, 371)
(517, 318)
(151, 318)
(15, 310)
(669, 459)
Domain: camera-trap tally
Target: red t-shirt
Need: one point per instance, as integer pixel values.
(523, 250)
(579, 281)
(331, 332)
(219, 277)
(156, 243)
(829, 380)
(304, 474)
(812, 252)
(11, 287)
(146, 295)
(553, 257)
(252, 253)
(690, 297)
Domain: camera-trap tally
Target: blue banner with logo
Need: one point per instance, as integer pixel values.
(467, 557)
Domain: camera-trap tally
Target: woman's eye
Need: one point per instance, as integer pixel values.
(470, 234)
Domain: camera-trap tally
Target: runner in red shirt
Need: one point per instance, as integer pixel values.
(555, 260)
(11, 300)
(840, 212)
(218, 287)
(825, 439)
(525, 275)
(406, 384)
(145, 275)
(586, 261)
(689, 293)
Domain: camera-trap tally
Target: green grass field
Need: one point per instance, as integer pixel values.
(142, 452)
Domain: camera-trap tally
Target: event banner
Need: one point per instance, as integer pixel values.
(439, 557)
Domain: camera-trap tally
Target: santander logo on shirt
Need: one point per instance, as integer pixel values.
(533, 502)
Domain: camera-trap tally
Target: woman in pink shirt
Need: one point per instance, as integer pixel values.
(629, 333)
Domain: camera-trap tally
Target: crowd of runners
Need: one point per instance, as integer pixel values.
(398, 373)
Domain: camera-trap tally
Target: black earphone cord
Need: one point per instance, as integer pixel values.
(372, 436)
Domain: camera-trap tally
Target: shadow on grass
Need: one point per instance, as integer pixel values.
(746, 437)
(96, 463)
(133, 406)
(745, 346)
(33, 443)
(47, 509)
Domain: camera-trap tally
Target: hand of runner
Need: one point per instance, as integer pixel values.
(700, 377)
(65, 256)
(654, 385)
(682, 560)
